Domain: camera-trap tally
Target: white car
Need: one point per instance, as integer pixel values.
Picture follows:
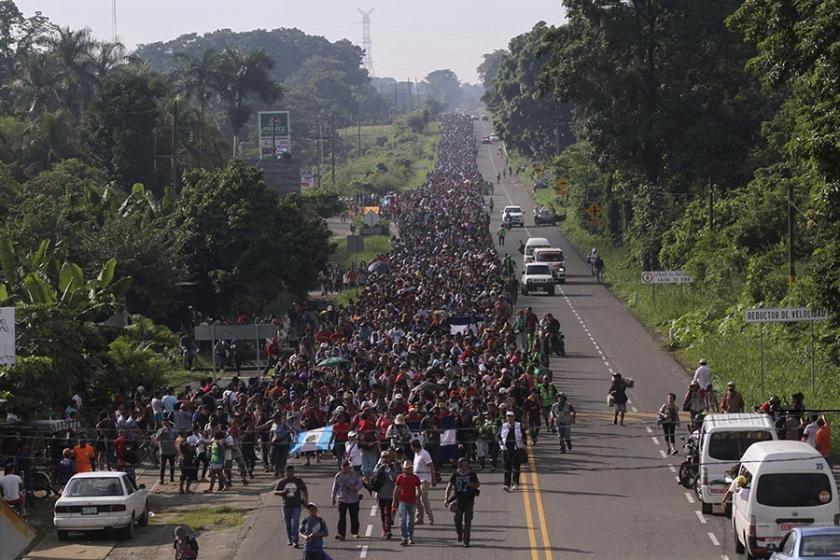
(513, 216)
(537, 276)
(99, 500)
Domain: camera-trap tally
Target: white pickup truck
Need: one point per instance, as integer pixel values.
(512, 215)
(556, 261)
(537, 276)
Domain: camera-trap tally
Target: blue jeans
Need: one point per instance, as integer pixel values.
(407, 520)
(291, 519)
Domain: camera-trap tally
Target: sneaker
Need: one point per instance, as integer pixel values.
(459, 538)
(569, 445)
(431, 521)
(506, 488)
(514, 487)
(356, 536)
(388, 536)
(466, 545)
(410, 541)
(674, 452)
(290, 543)
(339, 538)
(297, 545)
(403, 542)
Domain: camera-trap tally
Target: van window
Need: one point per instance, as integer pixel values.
(820, 545)
(730, 446)
(550, 256)
(793, 489)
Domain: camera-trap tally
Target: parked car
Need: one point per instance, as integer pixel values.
(545, 216)
(100, 500)
(540, 184)
(485, 140)
(816, 543)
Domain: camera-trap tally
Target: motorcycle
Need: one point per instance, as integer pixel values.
(690, 467)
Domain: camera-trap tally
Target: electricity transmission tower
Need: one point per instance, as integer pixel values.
(114, 19)
(367, 44)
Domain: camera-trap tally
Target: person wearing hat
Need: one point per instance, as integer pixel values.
(732, 400)
(385, 474)
(185, 545)
(346, 493)
(400, 436)
(562, 417)
(512, 443)
(462, 490)
(703, 374)
(618, 392)
(313, 529)
(406, 497)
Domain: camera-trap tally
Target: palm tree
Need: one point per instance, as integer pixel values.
(197, 76)
(74, 51)
(105, 57)
(235, 78)
(38, 88)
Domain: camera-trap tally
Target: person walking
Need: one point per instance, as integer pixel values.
(512, 444)
(703, 374)
(294, 493)
(732, 400)
(424, 469)
(165, 438)
(669, 419)
(460, 493)
(385, 474)
(406, 497)
(217, 463)
(186, 460)
(618, 392)
(185, 545)
(281, 441)
(346, 493)
(313, 529)
(501, 234)
(563, 415)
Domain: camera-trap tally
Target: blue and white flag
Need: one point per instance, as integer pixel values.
(449, 438)
(313, 440)
(463, 325)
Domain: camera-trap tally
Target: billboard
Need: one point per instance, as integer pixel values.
(275, 133)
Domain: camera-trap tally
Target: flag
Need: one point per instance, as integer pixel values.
(449, 438)
(463, 325)
(313, 440)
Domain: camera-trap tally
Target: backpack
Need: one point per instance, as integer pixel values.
(378, 481)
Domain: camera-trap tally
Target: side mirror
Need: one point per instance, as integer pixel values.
(141, 486)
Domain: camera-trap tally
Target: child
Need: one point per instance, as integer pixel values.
(185, 545)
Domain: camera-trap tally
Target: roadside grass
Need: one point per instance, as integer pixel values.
(695, 324)
(180, 377)
(203, 518)
(375, 245)
(344, 297)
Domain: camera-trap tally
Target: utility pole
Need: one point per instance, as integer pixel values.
(174, 161)
(711, 205)
(173, 142)
(332, 124)
(791, 267)
(321, 150)
(359, 134)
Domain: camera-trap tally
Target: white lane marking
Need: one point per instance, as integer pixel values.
(363, 553)
(655, 440)
(373, 510)
(724, 557)
(369, 530)
(689, 497)
(504, 188)
(713, 538)
(634, 409)
(648, 429)
(606, 363)
(699, 515)
(677, 478)
(662, 452)
(673, 469)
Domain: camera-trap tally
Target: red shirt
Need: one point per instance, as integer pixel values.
(340, 431)
(407, 485)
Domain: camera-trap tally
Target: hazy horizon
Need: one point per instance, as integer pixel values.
(409, 41)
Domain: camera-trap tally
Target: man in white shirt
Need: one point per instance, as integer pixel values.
(702, 375)
(424, 468)
(10, 490)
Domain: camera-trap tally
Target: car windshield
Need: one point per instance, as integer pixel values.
(553, 256)
(730, 446)
(93, 487)
(793, 489)
(510, 209)
(820, 545)
(539, 269)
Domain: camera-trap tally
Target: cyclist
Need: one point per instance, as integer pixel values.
(590, 259)
(11, 490)
(598, 268)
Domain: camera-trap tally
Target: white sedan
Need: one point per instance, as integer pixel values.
(101, 500)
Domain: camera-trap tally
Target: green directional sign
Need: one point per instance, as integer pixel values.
(274, 123)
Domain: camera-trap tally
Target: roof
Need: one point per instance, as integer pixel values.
(99, 474)
(739, 421)
(535, 240)
(779, 450)
(807, 531)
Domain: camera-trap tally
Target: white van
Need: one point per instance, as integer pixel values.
(555, 259)
(533, 243)
(723, 440)
(790, 485)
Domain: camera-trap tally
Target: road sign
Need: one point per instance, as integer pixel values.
(275, 133)
(7, 336)
(595, 212)
(784, 315)
(666, 277)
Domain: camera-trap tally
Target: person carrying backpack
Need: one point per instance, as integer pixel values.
(384, 475)
(185, 545)
(313, 529)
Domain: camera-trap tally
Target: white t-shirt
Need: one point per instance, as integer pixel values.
(423, 466)
(810, 434)
(703, 376)
(157, 406)
(10, 486)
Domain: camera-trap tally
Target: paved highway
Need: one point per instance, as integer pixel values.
(614, 496)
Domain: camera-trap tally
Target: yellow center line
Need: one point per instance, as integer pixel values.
(549, 554)
(529, 521)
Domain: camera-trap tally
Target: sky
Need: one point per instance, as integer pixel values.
(410, 38)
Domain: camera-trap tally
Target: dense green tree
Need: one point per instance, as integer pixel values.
(489, 67)
(444, 87)
(120, 125)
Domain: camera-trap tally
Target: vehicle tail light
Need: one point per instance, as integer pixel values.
(752, 530)
(705, 478)
(115, 507)
(62, 509)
